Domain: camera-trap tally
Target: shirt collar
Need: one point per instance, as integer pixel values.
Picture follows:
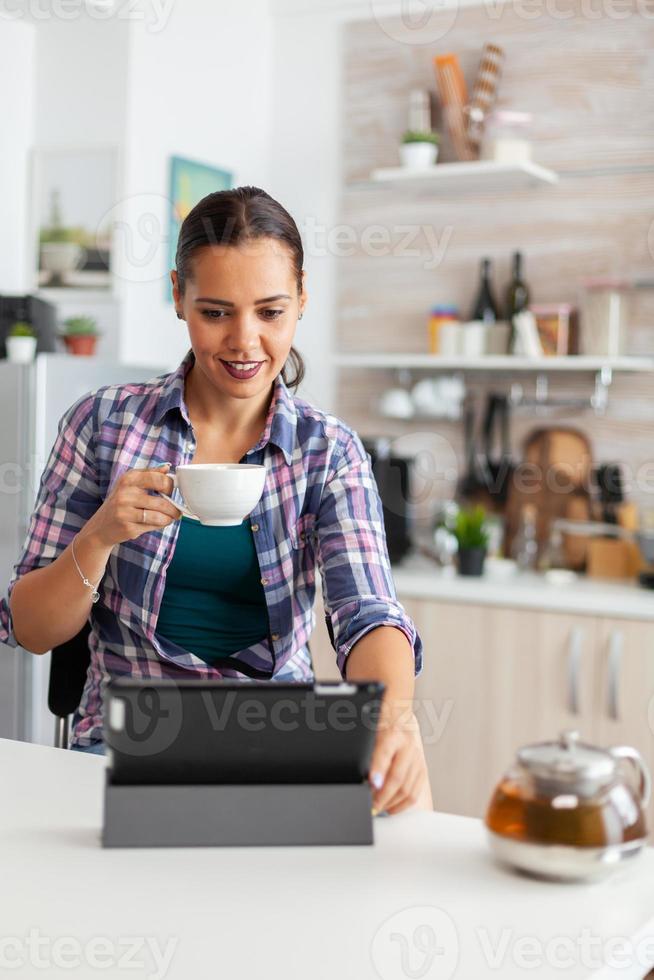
(281, 421)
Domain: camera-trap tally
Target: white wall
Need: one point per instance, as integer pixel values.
(305, 170)
(17, 53)
(199, 88)
(81, 101)
(305, 173)
(81, 67)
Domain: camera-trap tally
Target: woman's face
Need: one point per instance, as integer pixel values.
(241, 304)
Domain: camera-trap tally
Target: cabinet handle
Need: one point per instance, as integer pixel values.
(575, 643)
(615, 656)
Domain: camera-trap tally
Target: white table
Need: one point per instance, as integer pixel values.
(314, 913)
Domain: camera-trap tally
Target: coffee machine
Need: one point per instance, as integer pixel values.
(393, 477)
(41, 314)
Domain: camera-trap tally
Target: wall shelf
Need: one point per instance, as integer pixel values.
(494, 362)
(481, 175)
(603, 368)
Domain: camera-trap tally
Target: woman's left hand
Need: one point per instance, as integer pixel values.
(398, 760)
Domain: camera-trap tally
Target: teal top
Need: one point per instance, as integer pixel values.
(213, 603)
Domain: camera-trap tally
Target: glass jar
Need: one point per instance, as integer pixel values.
(437, 317)
(604, 317)
(506, 137)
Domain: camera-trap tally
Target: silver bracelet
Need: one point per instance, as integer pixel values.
(95, 595)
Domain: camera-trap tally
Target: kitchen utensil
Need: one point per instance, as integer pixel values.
(392, 474)
(484, 94)
(218, 494)
(607, 558)
(470, 484)
(498, 469)
(555, 475)
(567, 810)
(609, 482)
(645, 541)
(454, 96)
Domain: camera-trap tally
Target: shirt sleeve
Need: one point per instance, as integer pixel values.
(352, 558)
(68, 495)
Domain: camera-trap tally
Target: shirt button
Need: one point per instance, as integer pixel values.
(264, 581)
(255, 527)
(274, 636)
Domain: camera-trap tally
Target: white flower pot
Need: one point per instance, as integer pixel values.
(20, 350)
(418, 156)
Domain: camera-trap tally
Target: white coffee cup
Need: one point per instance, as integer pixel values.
(450, 339)
(474, 338)
(218, 494)
(396, 403)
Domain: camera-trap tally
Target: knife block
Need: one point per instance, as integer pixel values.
(215, 815)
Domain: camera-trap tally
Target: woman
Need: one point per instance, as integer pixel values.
(169, 597)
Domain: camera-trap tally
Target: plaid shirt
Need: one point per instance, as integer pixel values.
(320, 508)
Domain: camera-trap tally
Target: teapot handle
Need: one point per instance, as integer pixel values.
(632, 755)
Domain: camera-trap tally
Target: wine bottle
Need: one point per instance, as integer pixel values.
(517, 295)
(485, 307)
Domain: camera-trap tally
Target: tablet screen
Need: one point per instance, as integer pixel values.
(195, 731)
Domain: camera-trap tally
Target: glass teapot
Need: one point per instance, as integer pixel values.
(567, 809)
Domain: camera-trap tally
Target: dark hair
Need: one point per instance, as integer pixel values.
(230, 218)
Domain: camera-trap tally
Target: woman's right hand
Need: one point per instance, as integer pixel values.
(120, 517)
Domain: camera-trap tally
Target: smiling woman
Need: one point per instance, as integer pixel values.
(175, 598)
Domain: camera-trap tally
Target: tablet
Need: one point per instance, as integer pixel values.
(198, 731)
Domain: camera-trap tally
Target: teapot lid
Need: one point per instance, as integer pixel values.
(568, 764)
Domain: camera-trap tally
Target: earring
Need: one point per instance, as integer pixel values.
(300, 316)
(179, 316)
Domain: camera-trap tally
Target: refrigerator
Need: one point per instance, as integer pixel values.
(33, 397)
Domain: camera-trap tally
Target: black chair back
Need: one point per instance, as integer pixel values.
(68, 667)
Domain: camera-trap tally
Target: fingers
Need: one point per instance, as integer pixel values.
(400, 775)
(141, 498)
(398, 770)
(152, 479)
(385, 747)
(408, 795)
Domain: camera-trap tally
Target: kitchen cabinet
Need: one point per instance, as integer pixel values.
(497, 677)
(624, 688)
(516, 676)
(504, 677)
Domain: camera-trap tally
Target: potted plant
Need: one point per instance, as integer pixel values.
(80, 334)
(419, 150)
(472, 538)
(61, 248)
(21, 343)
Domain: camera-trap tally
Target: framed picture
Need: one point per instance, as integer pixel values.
(74, 192)
(190, 181)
